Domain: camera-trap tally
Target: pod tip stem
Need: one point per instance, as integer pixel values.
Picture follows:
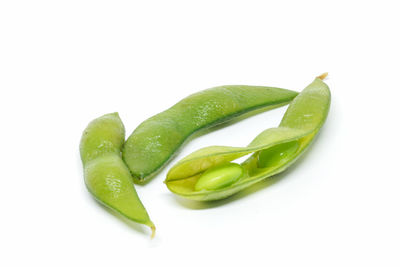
(322, 76)
(153, 231)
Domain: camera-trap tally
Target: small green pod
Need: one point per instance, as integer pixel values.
(219, 176)
(106, 176)
(156, 140)
(272, 151)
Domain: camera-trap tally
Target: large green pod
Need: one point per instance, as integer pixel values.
(273, 151)
(106, 176)
(156, 140)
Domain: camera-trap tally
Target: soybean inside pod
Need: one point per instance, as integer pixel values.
(156, 140)
(209, 174)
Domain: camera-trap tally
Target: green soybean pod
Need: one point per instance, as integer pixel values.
(272, 151)
(156, 140)
(106, 176)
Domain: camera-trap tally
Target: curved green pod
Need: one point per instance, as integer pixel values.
(272, 151)
(156, 140)
(106, 176)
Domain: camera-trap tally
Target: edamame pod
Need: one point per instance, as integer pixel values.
(106, 176)
(273, 151)
(155, 141)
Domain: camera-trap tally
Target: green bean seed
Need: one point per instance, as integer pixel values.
(106, 176)
(156, 140)
(277, 155)
(272, 151)
(219, 176)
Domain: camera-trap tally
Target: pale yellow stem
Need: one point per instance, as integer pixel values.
(322, 76)
(153, 231)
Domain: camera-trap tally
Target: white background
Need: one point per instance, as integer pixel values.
(64, 63)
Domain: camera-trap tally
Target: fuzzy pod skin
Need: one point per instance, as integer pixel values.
(106, 176)
(156, 140)
(272, 151)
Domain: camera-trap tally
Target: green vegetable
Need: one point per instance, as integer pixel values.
(106, 176)
(155, 141)
(219, 176)
(273, 151)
